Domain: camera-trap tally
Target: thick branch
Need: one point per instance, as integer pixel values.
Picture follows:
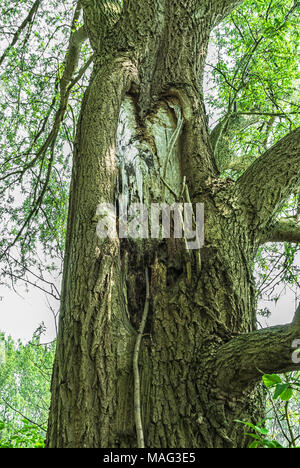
(285, 230)
(270, 180)
(222, 8)
(242, 361)
(72, 58)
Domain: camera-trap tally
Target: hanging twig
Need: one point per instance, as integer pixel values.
(136, 375)
(23, 415)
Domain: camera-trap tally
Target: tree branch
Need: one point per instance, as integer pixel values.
(23, 415)
(242, 361)
(72, 58)
(284, 230)
(269, 114)
(223, 134)
(17, 34)
(270, 180)
(67, 81)
(222, 8)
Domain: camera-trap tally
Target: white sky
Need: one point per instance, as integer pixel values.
(21, 316)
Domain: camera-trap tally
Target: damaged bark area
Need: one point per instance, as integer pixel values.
(142, 138)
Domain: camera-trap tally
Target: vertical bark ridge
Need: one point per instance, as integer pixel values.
(92, 307)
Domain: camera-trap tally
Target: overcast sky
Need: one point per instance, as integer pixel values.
(21, 315)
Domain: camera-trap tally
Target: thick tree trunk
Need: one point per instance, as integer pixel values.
(142, 131)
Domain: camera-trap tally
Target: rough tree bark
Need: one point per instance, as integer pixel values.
(200, 351)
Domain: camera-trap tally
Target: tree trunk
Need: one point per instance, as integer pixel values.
(142, 132)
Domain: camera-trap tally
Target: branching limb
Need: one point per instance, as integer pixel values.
(243, 360)
(66, 84)
(54, 291)
(284, 230)
(218, 130)
(269, 114)
(270, 180)
(221, 8)
(35, 207)
(23, 415)
(222, 135)
(72, 58)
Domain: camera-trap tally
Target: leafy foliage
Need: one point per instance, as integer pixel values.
(256, 70)
(26, 436)
(37, 132)
(254, 65)
(25, 392)
(279, 429)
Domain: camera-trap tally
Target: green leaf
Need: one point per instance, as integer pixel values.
(254, 444)
(286, 394)
(261, 430)
(271, 379)
(280, 388)
(245, 423)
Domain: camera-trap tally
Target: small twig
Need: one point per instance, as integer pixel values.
(287, 418)
(136, 375)
(169, 188)
(23, 415)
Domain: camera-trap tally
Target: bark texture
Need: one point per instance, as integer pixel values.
(141, 133)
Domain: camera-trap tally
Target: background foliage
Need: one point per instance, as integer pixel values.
(25, 378)
(254, 65)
